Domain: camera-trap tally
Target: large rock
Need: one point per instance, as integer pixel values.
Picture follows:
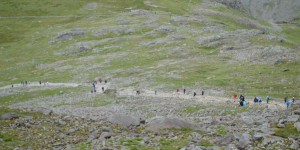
(297, 126)
(244, 140)
(158, 123)
(43, 110)
(9, 116)
(226, 140)
(271, 10)
(231, 147)
(297, 112)
(293, 118)
(258, 136)
(124, 120)
(110, 91)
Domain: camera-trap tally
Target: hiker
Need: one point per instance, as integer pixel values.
(25, 82)
(105, 81)
(177, 90)
(234, 97)
(12, 86)
(103, 89)
(293, 99)
(285, 99)
(255, 99)
(268, 99)
(259, 100)
(202, 93)
(184, 91)
(194, 94)
(40, 82)
(242, 99)
(287, 104)
(155, 92)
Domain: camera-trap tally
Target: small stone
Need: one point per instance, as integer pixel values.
(106, 135)
(61, 123)
(258, 136)
(231, 147)
(280, 125)
(67, 118)
(71, 131)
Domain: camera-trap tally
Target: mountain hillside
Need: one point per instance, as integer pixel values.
(149, 75)
(201, 45)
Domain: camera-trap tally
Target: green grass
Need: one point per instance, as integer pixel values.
(95, 101)
(222, 130)
(172, 144)
(192, 109)
(289, 131)
(291, 33)
(206, 143)
(26, 96)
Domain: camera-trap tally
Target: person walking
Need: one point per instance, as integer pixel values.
(234, 97)
(268, 99)
(194, 94)
(184, 90)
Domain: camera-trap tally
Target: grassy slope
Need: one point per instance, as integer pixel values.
(26, 44)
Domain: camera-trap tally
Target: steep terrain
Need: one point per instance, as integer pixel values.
(148, 45)
(153, 44)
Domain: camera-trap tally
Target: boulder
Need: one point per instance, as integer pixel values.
(293, 118)
(297, 126)
(244, 140)
(106, 129)
(295, 145)
(280, 125)
(67, 118)
(226, 140)
(158, 123)
(297, 112)
(106, 135)
(247, 120)
(124, 120)
(43, 110)
(110, 91)
(9, 116)
(93, 135)
(258, 136)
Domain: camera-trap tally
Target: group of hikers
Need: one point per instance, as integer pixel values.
(25, 83)
(259, 100)
(94, 85)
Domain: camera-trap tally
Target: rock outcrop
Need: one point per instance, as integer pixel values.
(271, 10)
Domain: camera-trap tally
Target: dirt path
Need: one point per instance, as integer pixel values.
(125, 92)
(37, 84)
